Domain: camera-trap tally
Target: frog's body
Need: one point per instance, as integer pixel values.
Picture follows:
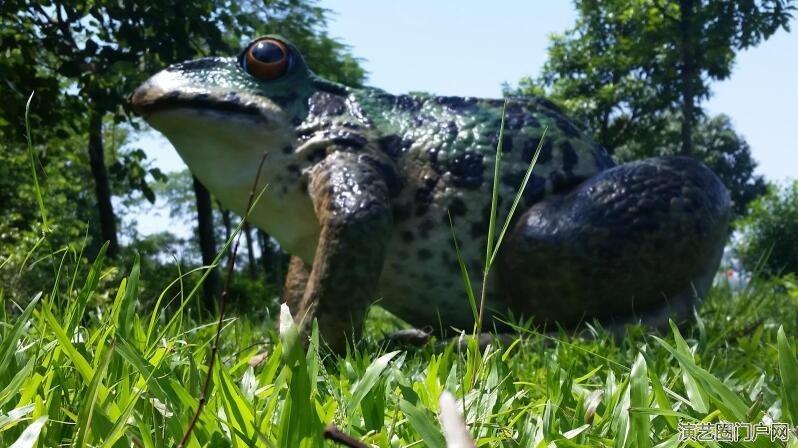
(362, 185)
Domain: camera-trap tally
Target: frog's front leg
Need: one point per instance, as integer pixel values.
(351, 201)
(296, 281)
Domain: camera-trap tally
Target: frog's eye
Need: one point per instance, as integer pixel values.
(266, 59)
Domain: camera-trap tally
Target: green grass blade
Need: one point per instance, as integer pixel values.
(8, 347)
(788, 369)
(697, 394)
(84, 423)
(30, 436)
(472, 300)
(640, 426)
(494, 201)
(13, 387)
(424, 426)
(732, 406)
(369, 379)
(37, 189)
(518, 195)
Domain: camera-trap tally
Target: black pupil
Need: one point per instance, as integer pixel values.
(267, 52)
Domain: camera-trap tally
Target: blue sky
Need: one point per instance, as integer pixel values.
(462, 47)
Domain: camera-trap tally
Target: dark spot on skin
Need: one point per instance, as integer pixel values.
(393, 145)
(408, 103)
(457, 207)
(559, 182)
(507, 143)
(512, 179)
(451, 128)
(569, 157)
(402, 102)
(425, 227)
(531, 146)
(467, 170)
(424, 254)
(535, 190)
(322, 104)
(476, 266)
(423, 196)
(478, 229)
(407, 236)
(389, 173)
(456, 103)
(401, 212)
(433, 158)
(429, 279)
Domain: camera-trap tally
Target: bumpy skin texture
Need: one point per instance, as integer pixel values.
(620, 244)
(362, 185)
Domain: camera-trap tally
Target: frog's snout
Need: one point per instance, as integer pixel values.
(138, 99)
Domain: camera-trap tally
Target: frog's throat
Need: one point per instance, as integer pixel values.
(223, 154)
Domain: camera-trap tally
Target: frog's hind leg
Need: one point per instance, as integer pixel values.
(641, 240)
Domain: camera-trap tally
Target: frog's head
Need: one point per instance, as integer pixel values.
(222, 113)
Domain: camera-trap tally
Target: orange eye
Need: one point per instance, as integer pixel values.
(266, 59)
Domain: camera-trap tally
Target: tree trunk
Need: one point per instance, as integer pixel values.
(228, 227)
(102, 187)
(689, 73)
(253, 274)
(207, 243)
(271, 260)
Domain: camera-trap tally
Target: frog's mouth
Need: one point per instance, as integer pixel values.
(168, 90)
(146, 105)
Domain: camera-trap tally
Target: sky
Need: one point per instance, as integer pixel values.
(463, 48)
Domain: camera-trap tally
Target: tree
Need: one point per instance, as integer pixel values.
(709, 33)
(770, 233)
(630, 69)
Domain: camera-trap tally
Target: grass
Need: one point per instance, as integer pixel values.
(75, 371)
(107, 377)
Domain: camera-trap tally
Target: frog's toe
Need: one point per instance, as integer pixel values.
(632, 241)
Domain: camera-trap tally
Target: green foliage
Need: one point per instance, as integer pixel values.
(769, 239)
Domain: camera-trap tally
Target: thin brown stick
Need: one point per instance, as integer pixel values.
(231, 261)
(336, 435)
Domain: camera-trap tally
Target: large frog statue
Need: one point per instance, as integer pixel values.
(362, 184)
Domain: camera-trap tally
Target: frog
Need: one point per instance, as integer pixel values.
(370, 192)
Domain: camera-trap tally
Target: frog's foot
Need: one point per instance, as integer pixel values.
(640, 241)
(415, 337)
